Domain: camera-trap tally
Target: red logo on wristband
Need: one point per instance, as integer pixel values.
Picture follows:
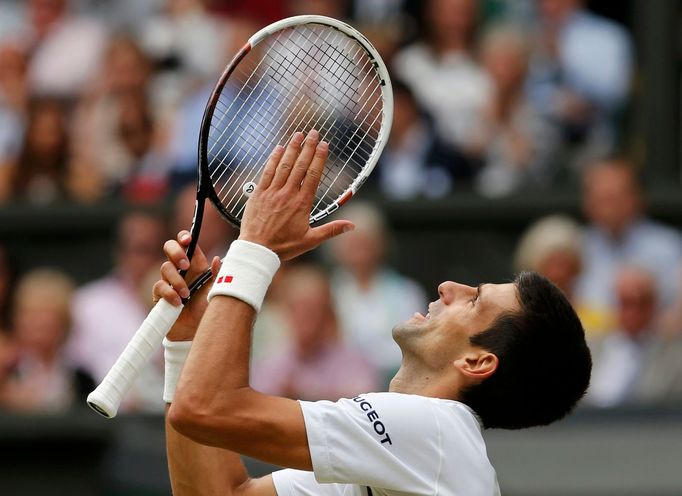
(224, 279)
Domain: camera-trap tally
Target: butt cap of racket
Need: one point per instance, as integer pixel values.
(106, 407)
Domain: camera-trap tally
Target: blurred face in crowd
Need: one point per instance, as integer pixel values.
(505, 58)
(442, 335)
(44, 13)
(556, 11)
(140, 237)
(636, 300)
(611, 197)
(135, 124)
(329, 8)
(308, 306)
(562, 267)
(452, 18)
(13, 74)
(361, 251)
(41, 313)
(46, 134)
(127, 68)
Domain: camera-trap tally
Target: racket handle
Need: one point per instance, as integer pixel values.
(106, 398)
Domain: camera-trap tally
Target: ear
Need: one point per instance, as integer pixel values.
(477, 365)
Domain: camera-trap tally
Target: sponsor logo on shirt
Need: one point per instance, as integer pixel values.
(373, 417)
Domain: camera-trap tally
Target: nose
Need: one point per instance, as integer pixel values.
(450, 291)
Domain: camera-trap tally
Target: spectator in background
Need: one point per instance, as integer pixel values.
(108, 311)
(147, 178)
(369, 296)
(103, 159)
(416, 162)
(442, 72)
(13, 109)
(581, 73)
(515, 143)
(620, 356)
(5, 289)
(315, 364)
(329, 8)
(65, 49)
(186, 40)
(553, 247)
(39, 174)
(619, 232)
(40, 378)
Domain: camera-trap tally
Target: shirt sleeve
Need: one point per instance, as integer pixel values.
(386, 440)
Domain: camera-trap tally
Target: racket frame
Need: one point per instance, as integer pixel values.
(290, 22)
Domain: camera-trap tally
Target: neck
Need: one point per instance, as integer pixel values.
(364, 278)
(416, 380)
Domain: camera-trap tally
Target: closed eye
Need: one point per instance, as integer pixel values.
(478, 293)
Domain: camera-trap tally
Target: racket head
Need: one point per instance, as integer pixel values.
(297, 74)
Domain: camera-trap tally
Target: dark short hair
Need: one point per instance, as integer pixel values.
(544, 363)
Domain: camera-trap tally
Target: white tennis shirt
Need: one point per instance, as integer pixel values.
(393, 444)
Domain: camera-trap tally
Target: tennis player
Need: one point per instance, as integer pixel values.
(499, 355)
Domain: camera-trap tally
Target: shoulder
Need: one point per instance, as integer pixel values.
(650, 226)
(585, 22)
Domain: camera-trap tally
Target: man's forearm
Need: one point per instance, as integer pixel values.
(217, 368)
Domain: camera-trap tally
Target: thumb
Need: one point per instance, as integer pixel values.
(330, 230)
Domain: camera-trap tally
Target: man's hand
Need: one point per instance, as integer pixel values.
(172, 287)
(277, 214)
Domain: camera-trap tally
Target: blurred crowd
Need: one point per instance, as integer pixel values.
(102, 101)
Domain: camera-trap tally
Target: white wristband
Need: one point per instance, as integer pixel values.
(175, 353)
(246, 273)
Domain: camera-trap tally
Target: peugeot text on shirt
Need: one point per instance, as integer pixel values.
(373, 417)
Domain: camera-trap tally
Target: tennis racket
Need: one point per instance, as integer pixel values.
(297, 74)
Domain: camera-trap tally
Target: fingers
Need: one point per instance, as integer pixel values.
(170, 274)
(314, 172)
(304, 159)
(271, 167)
(175, 252)
(286, 163)
(164, 290)
(172, 285)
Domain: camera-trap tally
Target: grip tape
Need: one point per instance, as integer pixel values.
(107, 397)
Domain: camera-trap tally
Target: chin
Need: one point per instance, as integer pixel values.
(411, 327)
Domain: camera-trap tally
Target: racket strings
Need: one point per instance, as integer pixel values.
(297, 122)
(301, 79)
(335, 58)
(248, 75)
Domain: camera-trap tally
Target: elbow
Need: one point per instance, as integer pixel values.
(184, 419)
(204, 421)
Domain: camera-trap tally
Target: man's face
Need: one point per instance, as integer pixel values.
(442, 335)
(611, 200)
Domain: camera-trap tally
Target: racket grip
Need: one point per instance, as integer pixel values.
(107, 397)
